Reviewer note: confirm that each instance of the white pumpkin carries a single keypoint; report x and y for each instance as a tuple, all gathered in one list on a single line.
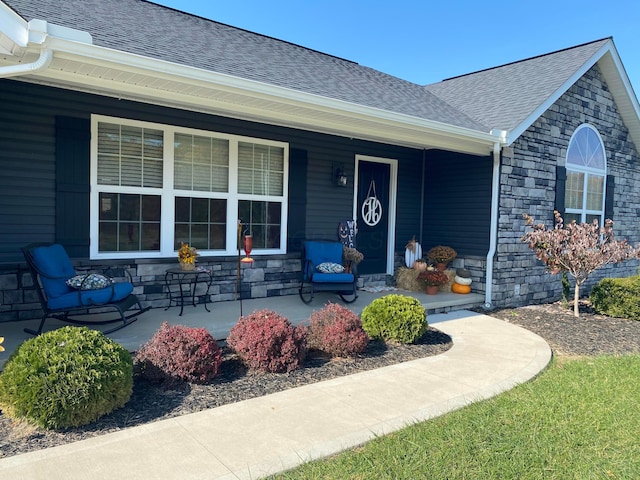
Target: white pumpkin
[(462, 281)]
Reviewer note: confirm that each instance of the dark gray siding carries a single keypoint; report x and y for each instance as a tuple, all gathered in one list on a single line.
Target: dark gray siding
[(27, 181), (457, 206), (28, 160)]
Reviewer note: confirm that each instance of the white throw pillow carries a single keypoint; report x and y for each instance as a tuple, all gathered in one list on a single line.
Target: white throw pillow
[(329, 267), (91, 281)]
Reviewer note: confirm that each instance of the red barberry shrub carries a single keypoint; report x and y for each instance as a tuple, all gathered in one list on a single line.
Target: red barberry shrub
[(266, 341), (179, 353), (338, 331)]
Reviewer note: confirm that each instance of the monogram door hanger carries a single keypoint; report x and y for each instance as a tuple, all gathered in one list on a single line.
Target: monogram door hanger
[(371, 209)]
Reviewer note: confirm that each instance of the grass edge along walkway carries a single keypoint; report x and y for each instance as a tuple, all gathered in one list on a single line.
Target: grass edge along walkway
[(579, 419)]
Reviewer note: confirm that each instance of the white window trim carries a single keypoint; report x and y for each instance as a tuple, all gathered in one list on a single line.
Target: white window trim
[(168, 194), (588, 171)]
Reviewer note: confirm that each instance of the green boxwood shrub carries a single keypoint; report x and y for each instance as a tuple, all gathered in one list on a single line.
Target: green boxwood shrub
[(617, 297), (66, 378), (394, 317)]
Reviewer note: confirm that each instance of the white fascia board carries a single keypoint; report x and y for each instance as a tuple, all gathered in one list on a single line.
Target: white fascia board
[(161, 69), (537, 113), (14, 33)]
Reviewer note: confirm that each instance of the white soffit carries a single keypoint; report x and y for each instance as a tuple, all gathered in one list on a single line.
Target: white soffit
[(622, 91)]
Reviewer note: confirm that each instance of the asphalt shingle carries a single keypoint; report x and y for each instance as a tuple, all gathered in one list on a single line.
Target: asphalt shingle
[(497, 98), (155, 31), (503, 97)]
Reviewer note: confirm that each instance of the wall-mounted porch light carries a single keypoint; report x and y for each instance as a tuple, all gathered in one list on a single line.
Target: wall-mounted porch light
[(340, 177)]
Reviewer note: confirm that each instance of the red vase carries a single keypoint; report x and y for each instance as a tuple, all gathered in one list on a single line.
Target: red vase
[(432, 289)]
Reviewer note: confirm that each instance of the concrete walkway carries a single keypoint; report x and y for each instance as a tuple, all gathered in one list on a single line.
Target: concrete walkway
[(266, 435)]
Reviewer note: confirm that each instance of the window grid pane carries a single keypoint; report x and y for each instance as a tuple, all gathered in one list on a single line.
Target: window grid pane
[(585, 149), (129, 156), (263, 221), (129, 222), (260, 169), (200, 222), (595, 192), (591, 217), (569, 217), (574, 190), (201, 163)]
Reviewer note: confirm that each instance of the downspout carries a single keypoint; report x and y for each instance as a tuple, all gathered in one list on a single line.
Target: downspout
[(420, 231), (46, 56), (493, 234)]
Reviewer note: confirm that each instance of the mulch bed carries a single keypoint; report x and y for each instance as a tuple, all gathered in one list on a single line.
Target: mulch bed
[(233, 383), (588, 335)]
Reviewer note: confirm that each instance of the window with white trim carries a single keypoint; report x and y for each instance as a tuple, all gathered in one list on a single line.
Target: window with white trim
[(586, 174), (155, 186)]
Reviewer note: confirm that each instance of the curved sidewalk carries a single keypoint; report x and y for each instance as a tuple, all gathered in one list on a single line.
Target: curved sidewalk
[(265, 435)]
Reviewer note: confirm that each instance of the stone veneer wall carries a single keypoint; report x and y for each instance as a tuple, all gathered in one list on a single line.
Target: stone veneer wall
[(527, 179), (266, 277)]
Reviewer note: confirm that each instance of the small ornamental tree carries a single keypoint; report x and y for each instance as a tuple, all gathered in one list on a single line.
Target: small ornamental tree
[(576, 248)]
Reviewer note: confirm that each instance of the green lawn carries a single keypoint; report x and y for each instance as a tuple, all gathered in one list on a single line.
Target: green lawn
[(580, 419)]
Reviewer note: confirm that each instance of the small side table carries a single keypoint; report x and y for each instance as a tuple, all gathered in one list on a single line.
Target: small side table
[(187, 282)]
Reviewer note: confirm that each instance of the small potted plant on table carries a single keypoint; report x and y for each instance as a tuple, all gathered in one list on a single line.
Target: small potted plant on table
[(187, 257)]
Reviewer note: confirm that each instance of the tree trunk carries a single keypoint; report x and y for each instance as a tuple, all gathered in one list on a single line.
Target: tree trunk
[(576, 297)]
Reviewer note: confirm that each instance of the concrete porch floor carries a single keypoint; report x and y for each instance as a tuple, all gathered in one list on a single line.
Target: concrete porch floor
[(224, 315)]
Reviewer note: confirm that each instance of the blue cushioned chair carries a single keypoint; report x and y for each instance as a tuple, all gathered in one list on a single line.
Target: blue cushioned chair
[(51, 267), (315, 253)]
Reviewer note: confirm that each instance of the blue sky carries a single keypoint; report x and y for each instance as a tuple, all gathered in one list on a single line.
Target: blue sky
[(424, 41)]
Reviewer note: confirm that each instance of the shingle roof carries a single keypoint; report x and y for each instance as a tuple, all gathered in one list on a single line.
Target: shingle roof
[(503, 97), (151, 30)]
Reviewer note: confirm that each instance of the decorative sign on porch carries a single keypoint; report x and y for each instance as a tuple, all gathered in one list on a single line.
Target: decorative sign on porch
[(371, 207), (347, 233)]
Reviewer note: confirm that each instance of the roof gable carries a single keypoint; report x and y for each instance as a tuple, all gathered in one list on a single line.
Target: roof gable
[(511, 97)]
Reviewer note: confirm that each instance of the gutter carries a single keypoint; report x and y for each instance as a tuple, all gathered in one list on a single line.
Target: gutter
[(43, 61), (493, 229), (42, 34)]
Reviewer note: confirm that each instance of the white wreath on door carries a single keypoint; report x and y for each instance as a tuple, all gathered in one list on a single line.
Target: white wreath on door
[(371, 209)]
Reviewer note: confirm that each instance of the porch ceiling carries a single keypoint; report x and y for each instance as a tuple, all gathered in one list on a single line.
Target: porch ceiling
[(106, 72)]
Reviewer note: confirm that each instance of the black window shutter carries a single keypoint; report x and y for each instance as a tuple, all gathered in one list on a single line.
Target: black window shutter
[(297, 199), (608, 201), (73, 137), (561, 184)]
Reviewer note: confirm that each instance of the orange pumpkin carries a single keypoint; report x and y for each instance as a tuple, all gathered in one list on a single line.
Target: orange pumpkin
[(457, 288)]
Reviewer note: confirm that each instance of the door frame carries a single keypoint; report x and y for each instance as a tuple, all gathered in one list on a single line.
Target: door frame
[(393, 185)]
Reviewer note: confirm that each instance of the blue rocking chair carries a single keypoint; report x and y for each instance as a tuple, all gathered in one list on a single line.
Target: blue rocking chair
[(322, 271), (68, 297)]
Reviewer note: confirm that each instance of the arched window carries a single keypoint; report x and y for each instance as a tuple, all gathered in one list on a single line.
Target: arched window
[(585, 186)]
